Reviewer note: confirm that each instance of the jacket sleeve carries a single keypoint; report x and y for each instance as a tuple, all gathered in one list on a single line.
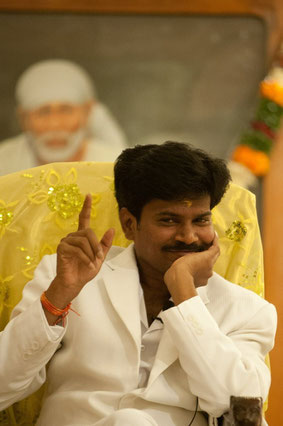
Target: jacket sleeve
[(28, 342), (220, 364)]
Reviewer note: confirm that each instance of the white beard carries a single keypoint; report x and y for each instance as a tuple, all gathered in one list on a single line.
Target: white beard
[(50, 154)]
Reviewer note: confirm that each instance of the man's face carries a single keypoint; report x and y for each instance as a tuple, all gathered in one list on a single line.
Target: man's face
[(56, 130), (168, 230)]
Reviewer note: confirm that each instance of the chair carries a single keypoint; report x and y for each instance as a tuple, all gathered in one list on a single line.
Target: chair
[(39, 206)]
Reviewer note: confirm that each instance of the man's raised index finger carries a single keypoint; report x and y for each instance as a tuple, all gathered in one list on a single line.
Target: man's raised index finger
[(84, 217)]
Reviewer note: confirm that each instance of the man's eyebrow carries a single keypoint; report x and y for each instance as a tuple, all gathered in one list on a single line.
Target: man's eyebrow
[(171, 213), (167, 213)]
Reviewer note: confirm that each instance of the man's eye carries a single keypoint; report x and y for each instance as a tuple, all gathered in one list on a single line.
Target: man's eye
[(66, 109), (204, 220), (168, 220), (42, 112)]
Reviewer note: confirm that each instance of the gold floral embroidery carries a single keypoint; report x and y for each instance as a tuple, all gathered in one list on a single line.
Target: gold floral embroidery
[(111, 180), (95, 200), (61, 194), (6, 217), (237, 231), (111, 186), (30, 261), (27, 175), (251, 279)]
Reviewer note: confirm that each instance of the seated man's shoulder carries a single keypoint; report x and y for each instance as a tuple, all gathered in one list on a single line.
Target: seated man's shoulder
[(221, 288)]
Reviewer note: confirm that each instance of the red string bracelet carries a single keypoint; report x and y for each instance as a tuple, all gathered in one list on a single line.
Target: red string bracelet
[(60, 313)]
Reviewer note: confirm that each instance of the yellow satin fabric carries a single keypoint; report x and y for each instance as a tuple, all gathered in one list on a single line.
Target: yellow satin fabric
[(39, 206)]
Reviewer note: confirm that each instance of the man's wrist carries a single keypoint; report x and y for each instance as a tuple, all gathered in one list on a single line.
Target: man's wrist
[(59, 297)]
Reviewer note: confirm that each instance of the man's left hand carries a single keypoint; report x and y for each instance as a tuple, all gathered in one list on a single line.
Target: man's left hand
[(191, 271)]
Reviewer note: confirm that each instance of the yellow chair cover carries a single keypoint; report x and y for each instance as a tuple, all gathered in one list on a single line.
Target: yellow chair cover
[(41, 205)]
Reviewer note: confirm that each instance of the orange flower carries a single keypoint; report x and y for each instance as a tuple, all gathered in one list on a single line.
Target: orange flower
[(257, 161), (273, 91)]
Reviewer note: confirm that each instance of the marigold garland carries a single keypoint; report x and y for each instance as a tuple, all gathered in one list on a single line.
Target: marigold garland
[(255, 145)]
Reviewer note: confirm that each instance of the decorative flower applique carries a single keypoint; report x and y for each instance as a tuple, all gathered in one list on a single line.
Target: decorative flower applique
[(60, 193), (237, 231), (62, 196)]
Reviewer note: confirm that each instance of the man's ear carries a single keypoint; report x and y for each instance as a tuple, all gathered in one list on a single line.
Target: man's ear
[(128, 223)]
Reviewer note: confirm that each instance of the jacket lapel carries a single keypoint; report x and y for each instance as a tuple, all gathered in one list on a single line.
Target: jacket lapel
[(122, 285), (165, 356), (167, 352)]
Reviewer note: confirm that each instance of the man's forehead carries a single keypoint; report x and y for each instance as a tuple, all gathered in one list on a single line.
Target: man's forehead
[(160, 206), (56, 105)]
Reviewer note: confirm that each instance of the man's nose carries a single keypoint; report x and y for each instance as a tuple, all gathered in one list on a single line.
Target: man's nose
[(187, 234), (54, 121)]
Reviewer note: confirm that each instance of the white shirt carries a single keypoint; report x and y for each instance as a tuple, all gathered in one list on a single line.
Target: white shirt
[(151, 336)]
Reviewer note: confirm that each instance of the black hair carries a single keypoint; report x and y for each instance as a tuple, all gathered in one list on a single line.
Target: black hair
[(170, 171)]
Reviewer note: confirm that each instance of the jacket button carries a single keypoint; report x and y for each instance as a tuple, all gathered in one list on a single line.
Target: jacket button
[(35, 346)]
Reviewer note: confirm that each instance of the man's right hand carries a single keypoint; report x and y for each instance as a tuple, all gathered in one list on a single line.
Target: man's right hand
[(79, 258)]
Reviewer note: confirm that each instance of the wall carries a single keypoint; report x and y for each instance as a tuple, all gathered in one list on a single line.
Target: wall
[(164, 77)]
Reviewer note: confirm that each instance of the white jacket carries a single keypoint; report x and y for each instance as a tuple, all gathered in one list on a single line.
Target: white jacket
[(213, 346)]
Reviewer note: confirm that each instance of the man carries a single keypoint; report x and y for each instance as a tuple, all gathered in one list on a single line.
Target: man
[(161, 339), (60, 118)]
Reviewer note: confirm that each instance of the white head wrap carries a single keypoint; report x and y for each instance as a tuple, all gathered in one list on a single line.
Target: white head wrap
[(53, 80)]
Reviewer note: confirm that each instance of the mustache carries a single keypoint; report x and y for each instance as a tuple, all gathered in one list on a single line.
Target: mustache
[(190, 248)]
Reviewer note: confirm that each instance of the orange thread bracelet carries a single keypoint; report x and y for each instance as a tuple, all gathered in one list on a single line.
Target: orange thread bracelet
[(61, 313)]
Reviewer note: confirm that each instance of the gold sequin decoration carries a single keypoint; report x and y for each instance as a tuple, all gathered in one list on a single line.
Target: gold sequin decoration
[(66, 200), (6, 216), (27, 175), (237, 231)]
